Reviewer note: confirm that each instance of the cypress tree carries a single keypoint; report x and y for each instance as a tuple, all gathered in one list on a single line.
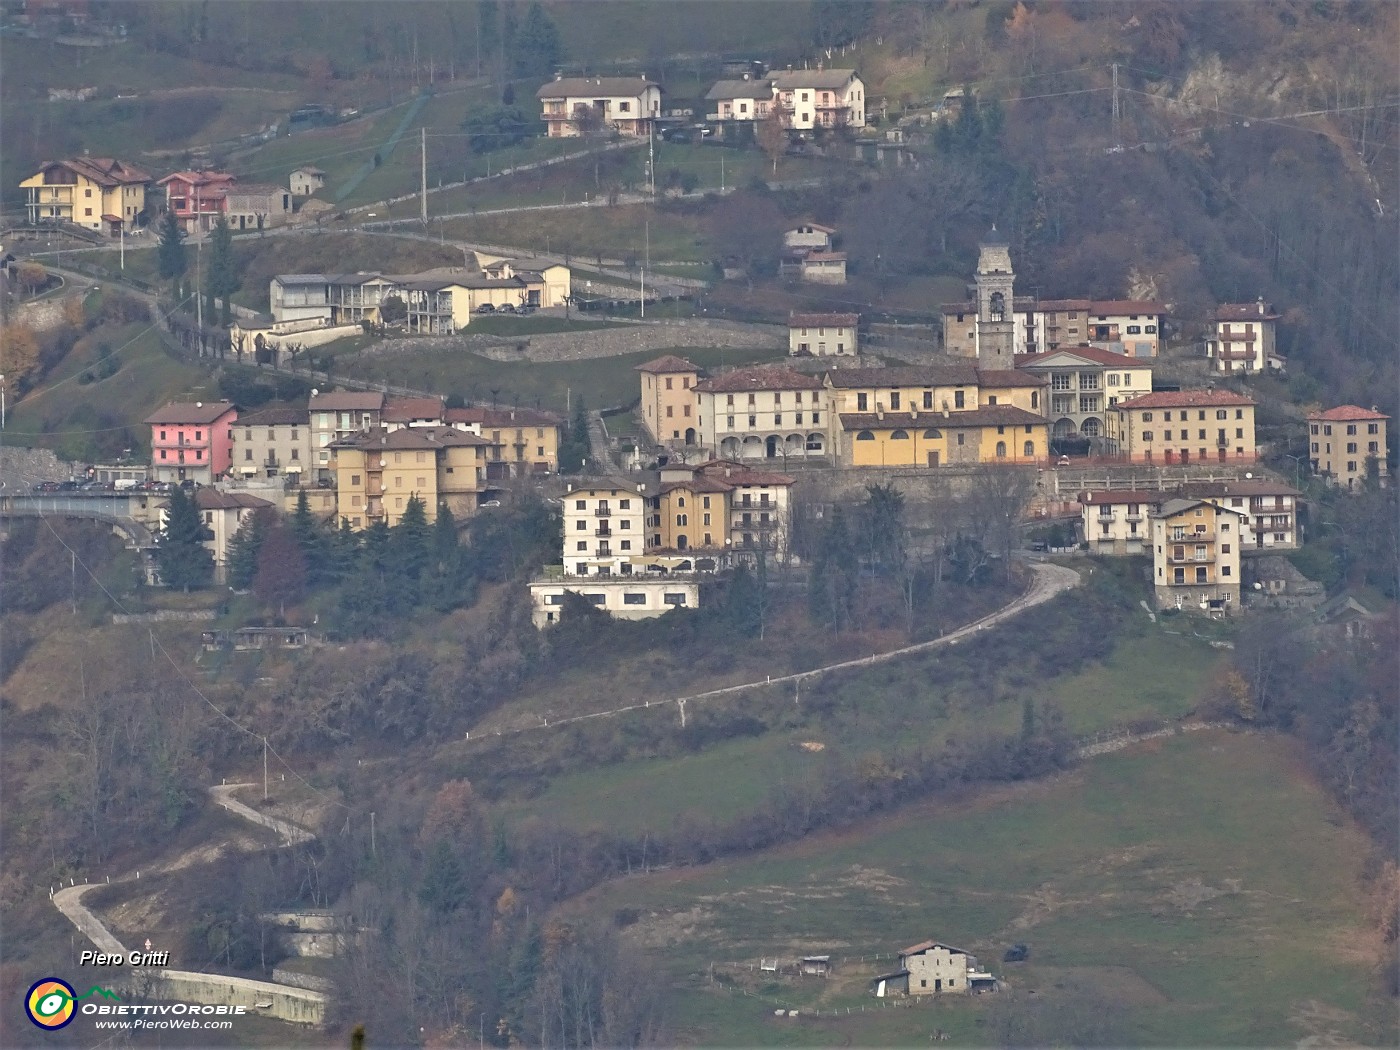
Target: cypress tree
[(243, 550), (171, 255)]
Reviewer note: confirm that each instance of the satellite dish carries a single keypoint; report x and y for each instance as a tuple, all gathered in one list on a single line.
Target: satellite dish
[(1248, 475)]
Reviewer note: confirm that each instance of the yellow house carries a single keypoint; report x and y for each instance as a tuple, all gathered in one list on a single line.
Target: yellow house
[(996, 434), (1345, 442), (99, 193), (1196, 555), (669, 405), (379, 470), (721, 505), (520, 441), (1183, 426)]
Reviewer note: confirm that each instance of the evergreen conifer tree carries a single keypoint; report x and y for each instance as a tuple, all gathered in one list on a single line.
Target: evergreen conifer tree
[(243, 550), (180, 553)]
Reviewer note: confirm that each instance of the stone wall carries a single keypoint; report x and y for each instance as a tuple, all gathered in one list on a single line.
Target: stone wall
[(43, 314), (599, 342), (297, 1005), (21, 467)]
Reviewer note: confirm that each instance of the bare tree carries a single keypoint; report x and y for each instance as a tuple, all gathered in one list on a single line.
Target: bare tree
[(996, 503), (772, 135)]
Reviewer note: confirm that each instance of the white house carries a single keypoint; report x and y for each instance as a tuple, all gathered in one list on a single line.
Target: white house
[(763, 413), (573, 106), (826, 98), (1116, 522), (823, 335), (740, 102), (1085, 383), (1244, 338), (1270, 509), (306, 180), (809, 236)]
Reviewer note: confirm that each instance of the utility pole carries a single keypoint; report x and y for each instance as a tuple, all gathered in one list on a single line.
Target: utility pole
[(372, 850), (264, 769), (646, 261), (199, 294), (423, 168), (721, 174), (1117, 140), (651, 158), (122, 232)]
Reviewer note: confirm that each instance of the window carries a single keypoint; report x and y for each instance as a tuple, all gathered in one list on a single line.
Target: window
[(668, 382), (1028, 449), (1134, 329), (582, 526), (753, 421), (1239, 433), (1113, 379), (992, 400), (1001, 450), (900, 435), (1351, 448), (626, 545), (1371, 428), (248, 454), (962, 438), (928, 398), (894, 400), (1147, 417), (398, 503), (729, 422), (1167, 435), (1351, 429), (583, 545), (865, 435), (959, 399), (581, 504), (777, 419), (677, 600), (1351, 466), (1147, 435), (1167, 417), (862, 404), (1149, 329), (670, 411)]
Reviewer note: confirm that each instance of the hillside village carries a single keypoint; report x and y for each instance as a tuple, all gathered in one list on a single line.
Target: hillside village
[(815, 399)]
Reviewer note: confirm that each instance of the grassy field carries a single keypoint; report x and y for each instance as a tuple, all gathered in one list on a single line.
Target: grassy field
[(1182, 879), (81, 420), (900, 703), (599, 381)]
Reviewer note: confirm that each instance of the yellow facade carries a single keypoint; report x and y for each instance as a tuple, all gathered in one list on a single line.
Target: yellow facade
[(687, 516), (669, 403), (1196, 554), (1002, 434), (83, 191), (376, 475)]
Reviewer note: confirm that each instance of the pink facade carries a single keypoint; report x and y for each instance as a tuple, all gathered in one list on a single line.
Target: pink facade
[(192, 442)]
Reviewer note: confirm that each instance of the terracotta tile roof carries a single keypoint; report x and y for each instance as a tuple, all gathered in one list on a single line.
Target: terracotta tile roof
[(1088, 353), (105, 171), (1188, 399), (989, 416), (923, 946), (700, 483), (668, 363), (823, 320), (1347, 414), (998, 378), (346, 401), (959, 374), (1172, 507), (745, 379), (820, 79), (191, 412), (1060, 306), (1248, 487), (405, 409)]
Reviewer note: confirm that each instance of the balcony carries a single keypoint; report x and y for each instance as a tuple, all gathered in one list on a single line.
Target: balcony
[(603, 512), (602, 531)]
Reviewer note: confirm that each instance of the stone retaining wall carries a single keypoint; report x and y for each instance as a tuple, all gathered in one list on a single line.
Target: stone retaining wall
[(20, 467), (598, 342), (297, 1005)]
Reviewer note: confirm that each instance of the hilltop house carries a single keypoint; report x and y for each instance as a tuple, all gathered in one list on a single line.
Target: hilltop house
[(575, 106), (820, 98), (823, 335), (934, 968), (1347, 443), (669, 407), (98, 193), (306, 180), (1243, 340), (197, 198)]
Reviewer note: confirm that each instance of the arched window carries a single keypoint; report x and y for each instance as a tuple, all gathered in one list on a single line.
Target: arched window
[(680, 519), (1029, 450), (900, 435), (997, 307), (680, 501), (931, 434), (1035, 399), (1001, 450), (865, 435)]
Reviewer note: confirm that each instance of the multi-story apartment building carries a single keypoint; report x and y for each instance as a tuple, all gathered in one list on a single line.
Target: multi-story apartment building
[(272, 442), (1243, 340), (738, 105), (723, 508), (763, 413), (1270, 509), (337, 415), (604, 528), (1196, 555), (192, 441), (1085, 383), (823, 335), (378, 470), (223, 514), (1117, 522), (574, 106), (98, 193), (820, 98), (1183, 426), (670, 410), (1347, 444), (520, 441)]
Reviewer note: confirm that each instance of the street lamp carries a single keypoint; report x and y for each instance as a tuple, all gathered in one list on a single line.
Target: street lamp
[(1297, 469), (2, 402)]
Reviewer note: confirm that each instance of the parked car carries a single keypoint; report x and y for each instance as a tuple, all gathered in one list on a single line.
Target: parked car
[(49, 486), (1063, 461), (505, 308), (492, 503), (486, 308)]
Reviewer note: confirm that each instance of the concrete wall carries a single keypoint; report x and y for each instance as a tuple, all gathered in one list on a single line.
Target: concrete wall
[(297, 1005)]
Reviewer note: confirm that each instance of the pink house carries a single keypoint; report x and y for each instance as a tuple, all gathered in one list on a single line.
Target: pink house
[(192, 441)]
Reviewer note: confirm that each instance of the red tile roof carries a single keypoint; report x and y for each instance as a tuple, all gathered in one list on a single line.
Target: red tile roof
[(1122, 496), (405, 409), (1347, 413), (823, 320), (746, 379), (1188, 399), (1088, 353), (346, 401), (502, 417), (668, 363)]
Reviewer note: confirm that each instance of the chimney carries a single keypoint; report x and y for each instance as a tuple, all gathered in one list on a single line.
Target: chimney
[(569, 487), (879, 410), (728, 471), (1261, 306)]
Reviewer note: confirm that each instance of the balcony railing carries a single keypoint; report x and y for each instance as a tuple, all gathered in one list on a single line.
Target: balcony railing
[(603, 531), (602, 512)]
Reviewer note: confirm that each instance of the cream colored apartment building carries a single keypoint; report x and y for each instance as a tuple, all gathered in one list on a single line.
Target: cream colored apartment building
[(1183, 427), (1196, 555), (670, 408), (1347, 442)]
